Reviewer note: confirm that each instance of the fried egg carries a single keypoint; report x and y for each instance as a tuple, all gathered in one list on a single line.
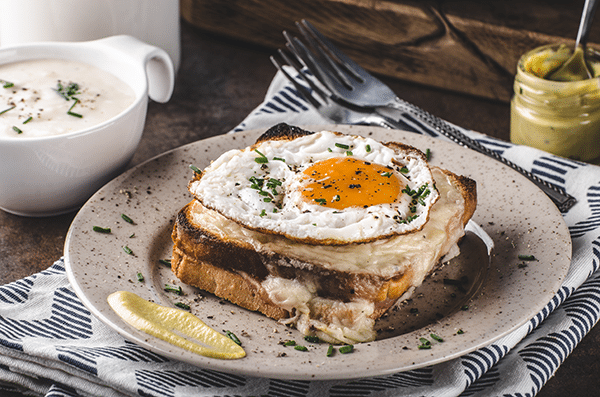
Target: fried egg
[(322, 188)]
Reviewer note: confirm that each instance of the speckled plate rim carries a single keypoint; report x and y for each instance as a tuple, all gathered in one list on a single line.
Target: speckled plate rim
[(154, 191)]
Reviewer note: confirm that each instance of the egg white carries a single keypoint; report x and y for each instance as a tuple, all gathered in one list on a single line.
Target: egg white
[(231, 186)]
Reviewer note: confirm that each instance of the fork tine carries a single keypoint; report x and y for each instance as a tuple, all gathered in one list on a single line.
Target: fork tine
[(304, 56), (339, 70), (321, 92), (348, 64), (307, 59), (299, 87)]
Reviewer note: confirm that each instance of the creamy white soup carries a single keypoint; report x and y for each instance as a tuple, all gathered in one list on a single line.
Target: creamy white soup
[(51, 96)]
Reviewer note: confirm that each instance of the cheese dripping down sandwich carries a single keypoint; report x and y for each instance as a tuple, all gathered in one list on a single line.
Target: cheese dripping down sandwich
[(322, 231)]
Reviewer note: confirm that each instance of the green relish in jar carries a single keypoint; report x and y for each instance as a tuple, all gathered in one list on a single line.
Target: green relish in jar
[(560, 117)]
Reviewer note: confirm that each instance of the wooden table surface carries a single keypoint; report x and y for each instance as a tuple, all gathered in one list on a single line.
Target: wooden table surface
[(219, 82)]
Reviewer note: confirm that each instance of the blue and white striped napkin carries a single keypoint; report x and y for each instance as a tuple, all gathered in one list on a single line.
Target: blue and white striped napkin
[(51, 345)]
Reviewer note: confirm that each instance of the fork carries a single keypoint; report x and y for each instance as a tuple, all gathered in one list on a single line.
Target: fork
[(348, 84), (331, 110)]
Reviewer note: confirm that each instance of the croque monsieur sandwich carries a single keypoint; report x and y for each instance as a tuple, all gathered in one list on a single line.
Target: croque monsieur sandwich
[(323, 231)]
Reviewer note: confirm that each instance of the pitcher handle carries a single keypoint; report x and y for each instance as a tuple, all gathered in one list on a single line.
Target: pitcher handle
[(159, 68)]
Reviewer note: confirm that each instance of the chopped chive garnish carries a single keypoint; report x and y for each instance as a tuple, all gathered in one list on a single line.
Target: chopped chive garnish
[(387, 174), (425, 343), (195, 169), (274, 182), (409, 219), (342, 146), (279, 159), (336, 197), (263, 213), (28, 120), (177, 290), (346, 349), (290, 343), (182, 305), (140, 277), (262, 159), (232, 336), (126, 218), (527, 257), (329, 350), (70, 112), (321, 201), (101, 229), (6, 110), (165, 261), (329, 150), (7, 84), (404, 170), (460, 332), (132, 235), (68, 91), (17, 129), (348, 153), (428, 154), (301, 348), (437, 338), (127, 250), (368, 148), (312, 339)]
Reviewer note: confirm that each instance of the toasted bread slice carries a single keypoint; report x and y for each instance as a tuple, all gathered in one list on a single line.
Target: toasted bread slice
[(334, 292)]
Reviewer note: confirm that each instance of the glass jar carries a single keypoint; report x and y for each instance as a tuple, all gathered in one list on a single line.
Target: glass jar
[(559, 117)]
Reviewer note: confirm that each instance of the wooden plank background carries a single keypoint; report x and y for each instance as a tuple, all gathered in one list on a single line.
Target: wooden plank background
[(465, 46)]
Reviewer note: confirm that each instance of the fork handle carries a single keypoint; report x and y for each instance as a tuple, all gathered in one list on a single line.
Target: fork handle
[(561, 199)]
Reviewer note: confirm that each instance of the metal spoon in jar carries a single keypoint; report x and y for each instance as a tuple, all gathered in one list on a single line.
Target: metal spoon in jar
[(575, 68)]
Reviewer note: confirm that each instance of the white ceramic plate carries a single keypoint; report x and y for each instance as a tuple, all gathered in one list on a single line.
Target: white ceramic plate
[(500, 294)]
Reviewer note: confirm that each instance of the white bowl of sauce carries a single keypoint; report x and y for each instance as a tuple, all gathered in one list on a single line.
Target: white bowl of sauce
[(72, 116)]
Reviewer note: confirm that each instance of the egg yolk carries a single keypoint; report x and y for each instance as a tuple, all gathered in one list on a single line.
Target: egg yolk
[(343, 182)]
